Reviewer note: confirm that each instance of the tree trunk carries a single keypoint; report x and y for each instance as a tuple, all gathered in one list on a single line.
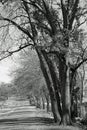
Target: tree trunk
[(67, 103), (55, 111), (54, 76), (30, 101), (81, 92), (72, 84), (38, 103), (46, 74), (48, 105), (64, 71), (43, 103)]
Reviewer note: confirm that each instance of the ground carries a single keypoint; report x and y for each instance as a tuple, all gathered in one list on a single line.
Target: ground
[(20, 116)]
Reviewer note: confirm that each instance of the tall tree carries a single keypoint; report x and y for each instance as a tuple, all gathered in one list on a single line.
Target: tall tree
[(57, 36)]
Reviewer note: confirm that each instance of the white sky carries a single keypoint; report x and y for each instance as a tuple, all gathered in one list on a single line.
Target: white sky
[(4, 77), (6, 67)]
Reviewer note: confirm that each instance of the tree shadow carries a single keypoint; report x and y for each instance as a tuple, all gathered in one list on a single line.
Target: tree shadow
[(30, 121)]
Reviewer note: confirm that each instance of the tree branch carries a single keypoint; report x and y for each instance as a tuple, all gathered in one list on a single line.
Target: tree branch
[(35, 5), (64, 14), (74, 10), (49, 17), (18, 26), (10, 53), (84, 60), (34, 32)]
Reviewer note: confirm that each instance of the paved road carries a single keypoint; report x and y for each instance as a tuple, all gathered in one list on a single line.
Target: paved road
[(27, 118)]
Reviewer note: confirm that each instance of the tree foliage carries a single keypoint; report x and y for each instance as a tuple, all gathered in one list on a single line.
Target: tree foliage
[(28, 77)]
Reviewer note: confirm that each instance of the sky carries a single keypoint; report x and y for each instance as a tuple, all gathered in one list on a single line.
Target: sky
[(6, 67)]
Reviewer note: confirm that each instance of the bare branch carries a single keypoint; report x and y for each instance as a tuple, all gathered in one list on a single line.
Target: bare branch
[(20, 16), (3, 26), (35, 5), (82, 22), (10, 53), (74, 10), (79, 64), (64, 14), (28, 13), (18, 26)]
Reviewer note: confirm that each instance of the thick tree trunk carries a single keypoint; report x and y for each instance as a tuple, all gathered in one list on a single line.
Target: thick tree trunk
[(54, 75), (64, 71), (67, 103), (46, 73), (72, 84), (55, 111)]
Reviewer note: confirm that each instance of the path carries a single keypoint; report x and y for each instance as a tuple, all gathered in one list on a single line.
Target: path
[(28, 118)]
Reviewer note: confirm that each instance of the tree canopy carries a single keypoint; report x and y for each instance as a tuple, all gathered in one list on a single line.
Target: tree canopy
[(55, 30)]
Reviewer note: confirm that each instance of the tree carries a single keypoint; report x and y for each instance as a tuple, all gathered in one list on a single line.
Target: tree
[(58, 40), (29, 80), (6, 90)]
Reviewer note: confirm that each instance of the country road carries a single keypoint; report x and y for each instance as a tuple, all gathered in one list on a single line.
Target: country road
[(25, 117)]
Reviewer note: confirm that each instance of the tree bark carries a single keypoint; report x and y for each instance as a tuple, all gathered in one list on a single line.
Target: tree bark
[(64, 71), (54, 76), (72, 84), (46, 74), (43, 103)]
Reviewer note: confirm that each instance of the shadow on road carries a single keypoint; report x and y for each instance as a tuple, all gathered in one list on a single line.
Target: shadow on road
[(30, 121)]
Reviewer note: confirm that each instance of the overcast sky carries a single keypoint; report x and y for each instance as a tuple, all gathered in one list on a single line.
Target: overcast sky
[(6, 67)]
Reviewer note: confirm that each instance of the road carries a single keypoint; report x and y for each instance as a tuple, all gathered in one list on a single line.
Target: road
[(27, 118)]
